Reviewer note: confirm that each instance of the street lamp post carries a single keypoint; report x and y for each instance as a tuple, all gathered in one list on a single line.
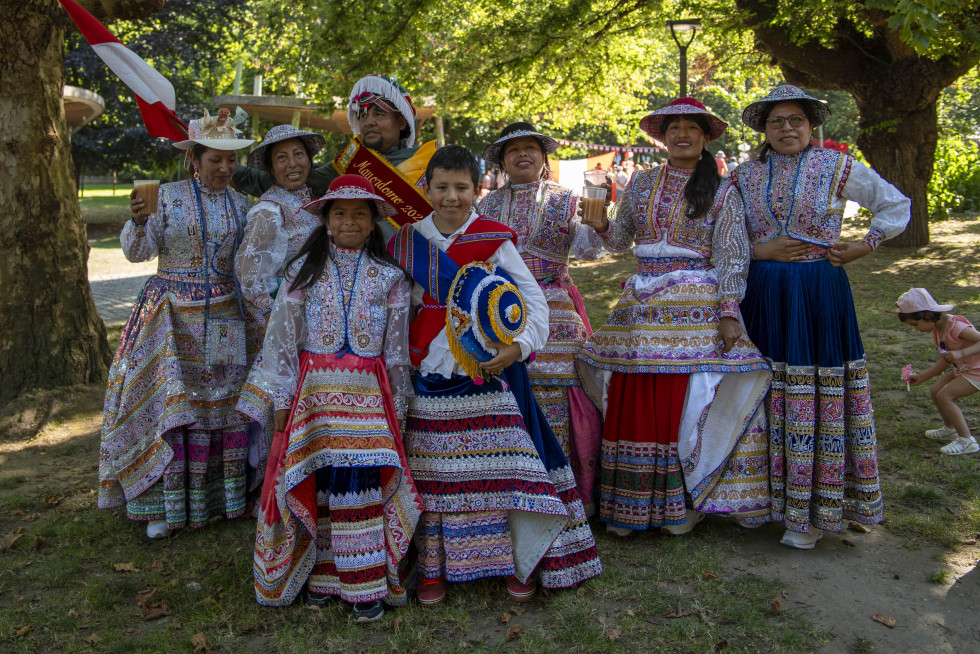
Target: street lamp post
[(691, 25)]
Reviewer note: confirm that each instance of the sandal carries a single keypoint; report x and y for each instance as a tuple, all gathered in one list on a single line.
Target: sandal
[(942, 434), (961, 446), (692, 519)]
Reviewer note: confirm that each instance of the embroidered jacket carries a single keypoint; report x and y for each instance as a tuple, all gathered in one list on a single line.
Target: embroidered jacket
[(804, 196), (652, 218)]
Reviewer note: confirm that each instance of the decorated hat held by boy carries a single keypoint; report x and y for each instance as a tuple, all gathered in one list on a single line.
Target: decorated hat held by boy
[(483, 306)]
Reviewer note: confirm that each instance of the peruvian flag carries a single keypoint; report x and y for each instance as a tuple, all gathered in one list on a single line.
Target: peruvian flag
[(154, 94)]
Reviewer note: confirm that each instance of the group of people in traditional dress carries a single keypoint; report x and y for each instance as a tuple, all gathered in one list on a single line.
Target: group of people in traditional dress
[(442, 385)]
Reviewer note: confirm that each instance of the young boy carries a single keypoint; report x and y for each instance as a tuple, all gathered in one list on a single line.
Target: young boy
[(499, 496)]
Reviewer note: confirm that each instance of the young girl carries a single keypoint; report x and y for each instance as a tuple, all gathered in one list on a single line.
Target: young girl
[(959, 346), (339, 506)]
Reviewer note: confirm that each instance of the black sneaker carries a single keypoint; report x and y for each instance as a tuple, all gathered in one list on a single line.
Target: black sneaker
[(368, 611), (317, 599)]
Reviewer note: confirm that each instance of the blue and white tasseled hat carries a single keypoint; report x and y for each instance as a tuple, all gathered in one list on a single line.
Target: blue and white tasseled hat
[(484, 305)]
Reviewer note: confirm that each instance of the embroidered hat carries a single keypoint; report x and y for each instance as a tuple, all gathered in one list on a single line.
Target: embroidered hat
[(492, 154), (387, 94), (652, 123), (352, 187), (919, 299), (278, 134), (752, 116), (483, 305)]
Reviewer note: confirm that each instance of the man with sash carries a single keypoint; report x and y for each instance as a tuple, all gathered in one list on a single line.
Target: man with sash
[(499, 496), (383, 151)]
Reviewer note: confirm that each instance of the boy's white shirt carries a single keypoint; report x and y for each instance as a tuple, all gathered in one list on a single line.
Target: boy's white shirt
[(440, 359)]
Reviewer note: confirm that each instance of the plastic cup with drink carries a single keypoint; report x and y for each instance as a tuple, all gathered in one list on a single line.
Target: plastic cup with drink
[(147, 190), (593, 195)]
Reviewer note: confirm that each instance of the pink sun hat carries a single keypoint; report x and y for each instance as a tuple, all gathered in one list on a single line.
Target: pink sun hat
[(919, 299), (652, 123), (352, 187)]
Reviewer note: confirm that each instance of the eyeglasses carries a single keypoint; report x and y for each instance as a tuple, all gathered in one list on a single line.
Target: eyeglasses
[(777, 122)]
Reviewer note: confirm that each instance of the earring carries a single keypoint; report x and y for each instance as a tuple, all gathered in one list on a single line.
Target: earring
[(197, 175)]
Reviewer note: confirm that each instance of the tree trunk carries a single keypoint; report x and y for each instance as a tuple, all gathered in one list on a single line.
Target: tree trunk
[(50, 333), (901, 146)]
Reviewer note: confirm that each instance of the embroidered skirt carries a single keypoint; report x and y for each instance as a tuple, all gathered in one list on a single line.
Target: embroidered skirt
[(160, 382), (499, 494), (823, 447), (320, 524)]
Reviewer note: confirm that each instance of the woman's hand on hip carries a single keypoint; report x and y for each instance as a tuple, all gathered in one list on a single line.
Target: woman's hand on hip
[(506, 355), (730, 330), (782, 248), (843, 253), (282, 415)]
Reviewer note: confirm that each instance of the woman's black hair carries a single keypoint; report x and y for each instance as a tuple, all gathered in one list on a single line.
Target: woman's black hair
[(928, 316), (267, 153), (701, 188), (454, 158), (808, 111), (316, 249)]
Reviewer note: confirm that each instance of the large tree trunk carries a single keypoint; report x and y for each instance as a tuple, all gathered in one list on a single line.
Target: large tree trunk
[(903, 153), (50, 333)]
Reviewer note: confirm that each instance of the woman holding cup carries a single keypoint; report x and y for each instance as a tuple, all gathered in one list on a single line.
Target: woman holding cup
[(173, 448), (276, 228), (543, 214), (680, 384)]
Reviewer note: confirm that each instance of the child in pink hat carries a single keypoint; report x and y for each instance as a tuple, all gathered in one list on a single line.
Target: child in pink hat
[(959, 364)]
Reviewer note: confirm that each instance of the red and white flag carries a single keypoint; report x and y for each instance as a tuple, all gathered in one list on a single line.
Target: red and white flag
[(154, 93)]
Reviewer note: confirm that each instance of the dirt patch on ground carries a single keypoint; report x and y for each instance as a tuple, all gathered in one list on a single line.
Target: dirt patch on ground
[(849, 578)]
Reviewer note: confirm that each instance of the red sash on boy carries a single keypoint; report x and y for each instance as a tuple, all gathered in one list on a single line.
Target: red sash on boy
[(387, 180), (436, 270)]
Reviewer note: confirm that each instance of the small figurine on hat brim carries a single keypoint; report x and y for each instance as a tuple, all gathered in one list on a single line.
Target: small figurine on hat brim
[(483, 306), (493, 154), (753, 114), (352, 187), (314, 143), (652, 123), (217, 132)]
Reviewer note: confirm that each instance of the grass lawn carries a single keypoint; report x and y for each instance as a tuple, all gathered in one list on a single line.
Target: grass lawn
[(76, 579), (101, 207)]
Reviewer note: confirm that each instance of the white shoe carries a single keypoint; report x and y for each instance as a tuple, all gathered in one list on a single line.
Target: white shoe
[(802, 541), (942, 434), (157, 529), (961, 446), (692, 519)]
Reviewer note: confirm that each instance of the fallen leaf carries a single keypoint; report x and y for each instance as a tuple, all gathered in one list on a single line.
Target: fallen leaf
[(53, 500), (615, 634), (11, 538), (858, 527), (720, 645), (397, 624), (679, 613), (504, 618), (783, 593), (776, 605), (23, 631), (514, 632), (92, 639), (38, 542), (848, 543), (31, 518), (517, 609), (898, 576), (709, 575), (704, 619), (72, 613), (580, 591), (157, 565), (630, 613), (15, 512), (207, 600), (156, 611), (125, 567), (199, 643), (143, 597), (601, 619), (885, 620), (970, 541)]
